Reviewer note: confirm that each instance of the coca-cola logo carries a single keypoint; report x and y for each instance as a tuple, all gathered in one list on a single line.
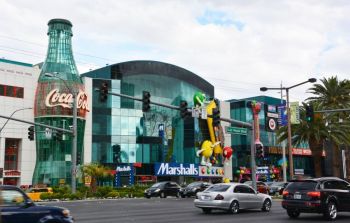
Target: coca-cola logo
[(54, 98)]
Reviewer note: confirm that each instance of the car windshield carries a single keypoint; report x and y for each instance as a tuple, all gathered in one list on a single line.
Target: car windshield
[(278, 184), (157, 185), (218, 188), (302, 185), (194, 184)]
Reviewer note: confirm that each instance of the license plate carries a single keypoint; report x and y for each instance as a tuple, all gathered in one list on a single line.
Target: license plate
[(297, 196), (206, 198)]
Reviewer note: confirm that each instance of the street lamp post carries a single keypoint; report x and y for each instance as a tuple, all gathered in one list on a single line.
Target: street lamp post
[(74, 130), (11, 117), (290, 151), (3, 126)]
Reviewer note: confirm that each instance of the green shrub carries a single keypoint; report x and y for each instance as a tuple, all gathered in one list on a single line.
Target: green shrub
[(113, 194), (46, 196), (103, 191)]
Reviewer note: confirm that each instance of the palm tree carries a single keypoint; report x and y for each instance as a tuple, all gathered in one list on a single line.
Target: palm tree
[(311, 132), (334, 94), (95, 171)]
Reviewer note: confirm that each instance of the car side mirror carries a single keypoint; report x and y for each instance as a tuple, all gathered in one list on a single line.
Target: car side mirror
[(28, 203)]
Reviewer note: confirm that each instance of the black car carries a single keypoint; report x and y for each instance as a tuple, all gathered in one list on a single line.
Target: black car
[(17, 207), (277, 188), (193, 188), (326, 195), (163, 189)]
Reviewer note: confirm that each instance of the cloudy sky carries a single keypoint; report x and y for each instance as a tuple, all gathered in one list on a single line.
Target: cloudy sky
[(237, 45)]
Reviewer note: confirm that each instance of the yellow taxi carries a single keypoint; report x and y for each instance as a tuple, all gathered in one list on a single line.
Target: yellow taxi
[(34, 193)]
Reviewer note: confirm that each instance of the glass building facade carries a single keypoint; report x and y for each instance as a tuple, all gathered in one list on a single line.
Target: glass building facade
[(122, 133), (272, 149)]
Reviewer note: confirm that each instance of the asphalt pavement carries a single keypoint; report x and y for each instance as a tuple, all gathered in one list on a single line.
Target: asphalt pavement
[(157, 210)]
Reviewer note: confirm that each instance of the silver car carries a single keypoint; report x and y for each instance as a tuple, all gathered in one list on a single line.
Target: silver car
[(232, 197)]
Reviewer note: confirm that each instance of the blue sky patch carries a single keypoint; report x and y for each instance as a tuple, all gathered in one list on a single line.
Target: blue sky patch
[(219, 18)]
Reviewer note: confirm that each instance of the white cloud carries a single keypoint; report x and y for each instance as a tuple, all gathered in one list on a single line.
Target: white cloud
[(288, 41)]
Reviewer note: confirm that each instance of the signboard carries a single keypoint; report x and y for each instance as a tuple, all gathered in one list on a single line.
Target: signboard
[(48, 133), (213, 171), (294, 113), (12, 173), (262, 170), (272, 115), (271, 124), (123, 169), (195, 112), (175, 169), (282, 114), (236, 130), (271, 108), (299, 171), (87, 180)]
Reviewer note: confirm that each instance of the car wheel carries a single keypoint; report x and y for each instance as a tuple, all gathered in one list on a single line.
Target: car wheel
[(234, 207), (206, 210), (292, 213), (162, 195), (267, 205), (331, 211)]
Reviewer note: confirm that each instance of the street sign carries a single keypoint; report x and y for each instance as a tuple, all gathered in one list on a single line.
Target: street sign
[(48, 133), (236, 130), (195, 112), (204, 113)]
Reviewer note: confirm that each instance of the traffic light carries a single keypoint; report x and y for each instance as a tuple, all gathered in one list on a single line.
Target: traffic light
[(78, 158), (309, 113), (31, 133), (184, 113), (103, 91), (59, 135), (146, 101), (216, 117), (259, 150)]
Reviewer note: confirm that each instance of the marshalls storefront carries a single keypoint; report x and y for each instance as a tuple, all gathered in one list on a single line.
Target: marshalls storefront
[(143, 145)]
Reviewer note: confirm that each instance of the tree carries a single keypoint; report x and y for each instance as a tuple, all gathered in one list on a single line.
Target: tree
[(311, 132), (334, 94), (95, 171)]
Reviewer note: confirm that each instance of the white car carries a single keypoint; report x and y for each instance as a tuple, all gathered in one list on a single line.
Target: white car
[(232, 197)]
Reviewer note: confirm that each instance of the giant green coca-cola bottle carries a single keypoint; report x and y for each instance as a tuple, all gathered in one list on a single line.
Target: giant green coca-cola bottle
[(53, 106)]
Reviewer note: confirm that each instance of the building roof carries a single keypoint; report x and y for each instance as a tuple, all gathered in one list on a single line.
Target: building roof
[(15, 62), (142, 67)]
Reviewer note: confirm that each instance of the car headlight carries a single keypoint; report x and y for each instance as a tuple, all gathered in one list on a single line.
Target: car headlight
[(66, 213), (146, 191), (157, 190), (194, 189)]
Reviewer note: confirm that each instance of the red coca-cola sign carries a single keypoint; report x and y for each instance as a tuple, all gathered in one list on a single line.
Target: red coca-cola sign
[(54, 99)]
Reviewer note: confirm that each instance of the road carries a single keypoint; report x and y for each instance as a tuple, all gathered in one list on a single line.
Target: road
[(177, 210)]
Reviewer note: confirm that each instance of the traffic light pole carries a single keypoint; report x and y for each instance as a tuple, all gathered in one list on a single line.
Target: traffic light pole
[(252, 158), (38, 124)]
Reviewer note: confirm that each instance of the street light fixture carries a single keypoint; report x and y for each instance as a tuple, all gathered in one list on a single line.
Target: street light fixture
[(74, 141), (11, 117), (290, 152)]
